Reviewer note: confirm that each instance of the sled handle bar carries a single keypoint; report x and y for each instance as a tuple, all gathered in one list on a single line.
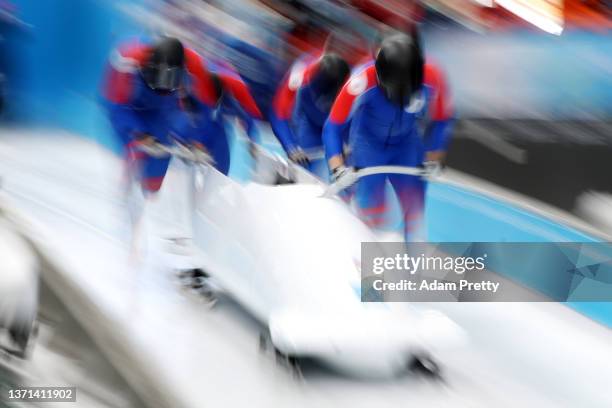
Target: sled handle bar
[(352, 178), (179, 150), (314, 154)]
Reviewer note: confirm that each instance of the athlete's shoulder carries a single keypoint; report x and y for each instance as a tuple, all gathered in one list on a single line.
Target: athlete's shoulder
[(362, 79), (130, 54), (194, 61), (303, 70), (441, 101), (125, 60), (433, 74)]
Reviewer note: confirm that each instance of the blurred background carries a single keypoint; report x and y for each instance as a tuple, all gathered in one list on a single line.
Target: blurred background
[(531, 79)]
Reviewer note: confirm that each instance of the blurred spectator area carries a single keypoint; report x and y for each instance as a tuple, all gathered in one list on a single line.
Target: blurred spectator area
[(497, 15)]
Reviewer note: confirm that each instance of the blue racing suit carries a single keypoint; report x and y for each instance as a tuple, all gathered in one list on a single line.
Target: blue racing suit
[(299, 111), (135, 110), (383, 133)]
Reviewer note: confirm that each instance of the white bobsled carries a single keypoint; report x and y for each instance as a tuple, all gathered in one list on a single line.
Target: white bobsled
[(19, 274), (290, 254)]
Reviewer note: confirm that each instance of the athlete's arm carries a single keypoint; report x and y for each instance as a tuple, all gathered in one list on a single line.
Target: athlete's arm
[(282, 109), (204, 88), (340, 116), (284, 103), (441, 112), (118, 90), (246, 107)]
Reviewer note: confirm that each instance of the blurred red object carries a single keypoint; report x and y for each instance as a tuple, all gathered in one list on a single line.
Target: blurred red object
[(398, 14)]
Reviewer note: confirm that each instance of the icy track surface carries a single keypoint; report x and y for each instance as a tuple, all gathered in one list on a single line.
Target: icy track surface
[(177, 353)]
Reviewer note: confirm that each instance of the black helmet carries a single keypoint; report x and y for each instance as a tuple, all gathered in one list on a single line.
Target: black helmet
[(163, 71), (399, 67), (331, 74)]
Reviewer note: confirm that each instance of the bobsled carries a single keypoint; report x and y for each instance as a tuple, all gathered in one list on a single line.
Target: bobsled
[(287, 248), (19, 277)]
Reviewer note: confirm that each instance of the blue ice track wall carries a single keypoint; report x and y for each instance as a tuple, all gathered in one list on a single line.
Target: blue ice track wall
[(458, 215), (58, 62)]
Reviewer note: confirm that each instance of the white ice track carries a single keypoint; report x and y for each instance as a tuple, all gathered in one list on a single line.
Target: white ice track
[(169, 345)]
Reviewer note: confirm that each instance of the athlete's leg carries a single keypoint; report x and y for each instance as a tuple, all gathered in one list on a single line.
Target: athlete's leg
[(411, 195), (370, 199), (369, 191), (151, 174), (410, 191)]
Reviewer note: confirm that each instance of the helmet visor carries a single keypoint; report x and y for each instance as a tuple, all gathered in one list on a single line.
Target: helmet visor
[(163, 77)]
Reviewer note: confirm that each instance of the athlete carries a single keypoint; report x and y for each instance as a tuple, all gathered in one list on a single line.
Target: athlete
[(397, 112), (142, 99), (302, 105), (144, 86)]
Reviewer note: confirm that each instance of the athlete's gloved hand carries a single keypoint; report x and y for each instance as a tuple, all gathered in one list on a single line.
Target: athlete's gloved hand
[(435, 155), (150, 145), (201, 154), (298, 156), (342, 172), (143, 138), (432, 169)]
